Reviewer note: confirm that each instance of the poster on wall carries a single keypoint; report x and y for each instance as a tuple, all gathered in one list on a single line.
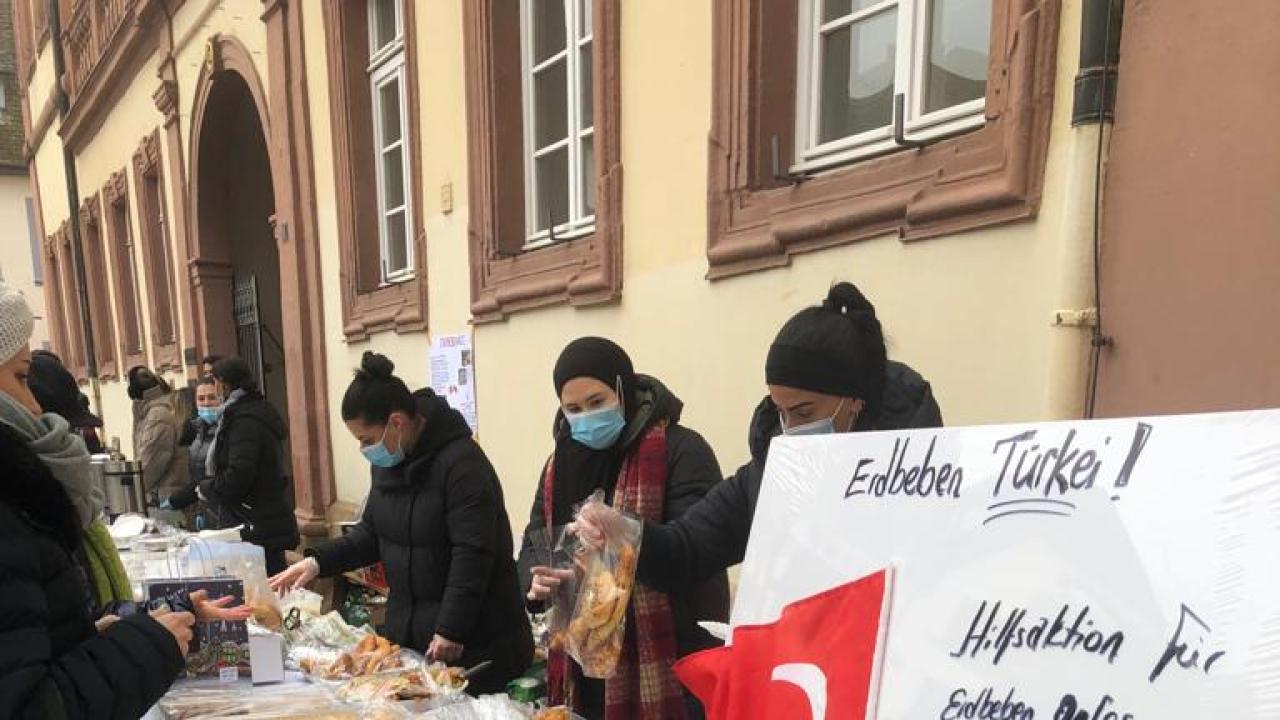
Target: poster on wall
[(453, 374), (1102, 570)]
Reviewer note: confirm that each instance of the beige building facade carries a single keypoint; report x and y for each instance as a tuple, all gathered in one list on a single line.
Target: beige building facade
[(378, 174)]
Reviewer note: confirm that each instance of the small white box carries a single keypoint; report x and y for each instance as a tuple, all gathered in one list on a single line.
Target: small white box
[(266, 657)]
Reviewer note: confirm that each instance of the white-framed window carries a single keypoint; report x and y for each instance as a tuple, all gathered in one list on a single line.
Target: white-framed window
[(559, 130), (857, 56), (390, 149)]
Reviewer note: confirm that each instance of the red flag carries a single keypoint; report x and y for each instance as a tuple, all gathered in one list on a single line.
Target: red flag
[(819, 660)]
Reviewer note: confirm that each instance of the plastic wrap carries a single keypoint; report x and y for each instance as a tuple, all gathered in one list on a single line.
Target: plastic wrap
[(1087, 570), (283, 702), (595, 634), (239, 560), (558, 550)]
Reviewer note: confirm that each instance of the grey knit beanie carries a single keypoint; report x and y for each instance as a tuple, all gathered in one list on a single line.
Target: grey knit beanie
[(16, 322)]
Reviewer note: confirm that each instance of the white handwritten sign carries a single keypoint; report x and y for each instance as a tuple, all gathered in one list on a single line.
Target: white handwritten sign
[(1105, 570)]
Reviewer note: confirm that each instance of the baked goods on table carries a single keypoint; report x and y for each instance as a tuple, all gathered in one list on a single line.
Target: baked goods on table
[(447, 679), (553, 713), (374, 654), (407, 685)]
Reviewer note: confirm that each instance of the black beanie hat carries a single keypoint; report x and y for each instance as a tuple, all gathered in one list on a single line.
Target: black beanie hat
[(836, 348), (57, 391), (600, 359)]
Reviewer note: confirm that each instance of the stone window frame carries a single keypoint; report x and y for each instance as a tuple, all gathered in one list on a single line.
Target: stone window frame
[(368, 305), (63, 303), (586, 270), (984, 177), (128, 300), (156, 245), (93, 244)]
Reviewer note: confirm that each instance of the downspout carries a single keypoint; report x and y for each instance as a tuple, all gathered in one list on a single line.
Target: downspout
[(73, 194), (1076, 348)]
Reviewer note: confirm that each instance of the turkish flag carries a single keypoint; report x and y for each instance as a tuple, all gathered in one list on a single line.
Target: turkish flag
[(819, 660)]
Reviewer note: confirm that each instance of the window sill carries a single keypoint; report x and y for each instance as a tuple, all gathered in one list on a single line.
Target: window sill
[(886, 145), (543, 240), (397, 306), (409, 276)]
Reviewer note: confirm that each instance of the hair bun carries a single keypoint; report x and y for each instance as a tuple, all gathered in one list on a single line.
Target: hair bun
[(376, 365), (846, 299)]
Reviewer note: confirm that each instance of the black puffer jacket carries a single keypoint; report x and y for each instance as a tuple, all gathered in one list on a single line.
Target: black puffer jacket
[(692, 470), (439, 524), (53, 663), (249, 482), (713, 535)]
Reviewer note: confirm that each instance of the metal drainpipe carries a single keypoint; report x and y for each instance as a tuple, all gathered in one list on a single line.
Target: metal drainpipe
[(1071, 363), (73, 193)]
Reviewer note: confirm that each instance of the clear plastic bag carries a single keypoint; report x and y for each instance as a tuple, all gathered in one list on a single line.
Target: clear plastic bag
[(595, 634), (558, 551), (239, 560)]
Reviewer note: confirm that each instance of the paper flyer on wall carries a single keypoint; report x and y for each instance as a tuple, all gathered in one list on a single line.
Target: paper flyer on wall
[(453, 374)]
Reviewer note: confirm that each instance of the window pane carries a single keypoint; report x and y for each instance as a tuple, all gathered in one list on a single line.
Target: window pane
[(584, 17), (959, 42), (588, 174), (552, 189), (397, 242), (836, 9), (389, 109), (584, 92), (550, 109), (384, 24), (548, 28), (857, 77), (393, 178)]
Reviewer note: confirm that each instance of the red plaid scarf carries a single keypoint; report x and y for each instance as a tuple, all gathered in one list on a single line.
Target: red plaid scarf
[(644, 685)]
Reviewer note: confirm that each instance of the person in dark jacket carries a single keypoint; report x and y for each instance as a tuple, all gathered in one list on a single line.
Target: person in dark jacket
[(197, 437), (59, 393), (245, 473), (54, 661), (827, 372), (436, 519), (608, 418)]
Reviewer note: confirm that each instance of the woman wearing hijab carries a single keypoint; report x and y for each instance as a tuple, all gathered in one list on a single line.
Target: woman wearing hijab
[(620, 432), (437, 520), (54, 662), (827, 372)]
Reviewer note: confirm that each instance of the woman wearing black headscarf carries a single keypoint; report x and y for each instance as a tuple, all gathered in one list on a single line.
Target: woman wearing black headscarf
[(620, 432), (827, 372)]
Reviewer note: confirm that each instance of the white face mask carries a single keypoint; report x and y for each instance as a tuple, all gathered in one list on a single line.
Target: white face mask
[(825, 426)]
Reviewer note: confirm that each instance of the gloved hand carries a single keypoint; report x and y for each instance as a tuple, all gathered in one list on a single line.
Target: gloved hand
[(166, 505)]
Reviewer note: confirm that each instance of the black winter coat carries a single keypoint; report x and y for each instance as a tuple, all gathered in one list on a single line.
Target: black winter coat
[(53, 663), (712, 536), (439, 524), (692, 470), (249, 482)]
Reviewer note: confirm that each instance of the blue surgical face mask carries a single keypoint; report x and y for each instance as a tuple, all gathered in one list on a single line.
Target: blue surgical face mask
[(209, 415), (825, 426), (380, 456), (597, 429)]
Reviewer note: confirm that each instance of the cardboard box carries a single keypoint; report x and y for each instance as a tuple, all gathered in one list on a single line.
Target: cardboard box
[(266, 656)]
